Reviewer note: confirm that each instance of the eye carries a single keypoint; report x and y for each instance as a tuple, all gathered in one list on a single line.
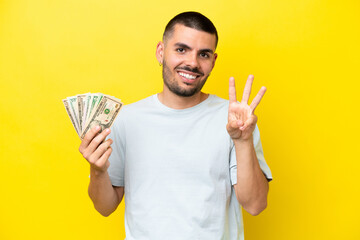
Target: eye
[(180, 50), (204, 55)]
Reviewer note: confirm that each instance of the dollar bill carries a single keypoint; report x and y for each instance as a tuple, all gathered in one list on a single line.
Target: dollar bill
[(74, 111), (90, 109), (104, 115), (82, 101), (80, 108), (94, 102), (67, 107), (86, 103)]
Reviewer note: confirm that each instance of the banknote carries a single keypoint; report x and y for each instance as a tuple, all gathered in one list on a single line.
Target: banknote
[(85, 98), (80, 108), (94, 101), (74, 111), (67, 107), (90, 109), (104, 115), (83, 104)]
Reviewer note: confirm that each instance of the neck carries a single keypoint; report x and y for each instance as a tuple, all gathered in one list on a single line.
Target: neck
[(174, 101)]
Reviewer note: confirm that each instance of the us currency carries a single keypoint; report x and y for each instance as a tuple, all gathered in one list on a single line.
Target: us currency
[(80, 108), (94, 101), (82, 103), (90, 109), (74, 111), (67, 107), (86, 107), (104, 114)]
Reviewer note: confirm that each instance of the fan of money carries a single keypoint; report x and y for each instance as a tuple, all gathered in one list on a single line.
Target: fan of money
[(91, 109)]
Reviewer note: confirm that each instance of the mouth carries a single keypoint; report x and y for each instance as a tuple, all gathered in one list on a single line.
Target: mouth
[(188, 77)]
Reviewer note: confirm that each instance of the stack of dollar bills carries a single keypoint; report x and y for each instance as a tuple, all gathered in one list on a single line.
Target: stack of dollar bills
[(91, 109)]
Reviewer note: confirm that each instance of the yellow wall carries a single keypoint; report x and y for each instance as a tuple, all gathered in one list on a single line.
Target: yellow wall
[(306, 53)]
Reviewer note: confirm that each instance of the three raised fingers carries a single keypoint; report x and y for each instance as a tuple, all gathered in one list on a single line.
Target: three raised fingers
[(246, 93)]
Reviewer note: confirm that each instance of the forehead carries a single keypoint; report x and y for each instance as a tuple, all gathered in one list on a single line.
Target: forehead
[(191, 37)]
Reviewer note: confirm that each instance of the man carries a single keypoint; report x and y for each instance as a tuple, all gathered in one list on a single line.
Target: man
[(184, 160)]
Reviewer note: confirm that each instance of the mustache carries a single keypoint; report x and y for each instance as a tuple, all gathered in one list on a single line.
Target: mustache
[(194, 70)]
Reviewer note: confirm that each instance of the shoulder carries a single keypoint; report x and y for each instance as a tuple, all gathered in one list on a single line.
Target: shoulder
[(143, 103), (214, 109), (218, 100), (136, 108), (131, 111), (218, 104)]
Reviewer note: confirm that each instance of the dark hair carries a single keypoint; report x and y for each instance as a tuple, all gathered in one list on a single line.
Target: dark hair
[(192, 20)]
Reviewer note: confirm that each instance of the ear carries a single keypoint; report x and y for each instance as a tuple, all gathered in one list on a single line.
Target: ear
[(160, 52), (213, 63)]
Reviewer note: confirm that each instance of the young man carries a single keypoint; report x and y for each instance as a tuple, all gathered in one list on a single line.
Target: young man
[(184, 160)]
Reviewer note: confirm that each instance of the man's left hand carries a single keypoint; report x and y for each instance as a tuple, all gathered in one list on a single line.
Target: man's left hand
[(241, 118)]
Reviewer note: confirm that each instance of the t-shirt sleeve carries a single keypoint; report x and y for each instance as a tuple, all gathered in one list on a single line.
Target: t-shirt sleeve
[(117, 157), (259, 154)]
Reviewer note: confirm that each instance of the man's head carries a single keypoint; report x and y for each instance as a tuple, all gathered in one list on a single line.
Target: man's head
[(193, 20), (187, 53)]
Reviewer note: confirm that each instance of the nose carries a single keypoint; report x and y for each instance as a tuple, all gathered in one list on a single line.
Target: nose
[(192, 60)]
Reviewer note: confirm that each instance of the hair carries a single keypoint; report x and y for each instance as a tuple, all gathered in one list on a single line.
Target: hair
[(192, 20)]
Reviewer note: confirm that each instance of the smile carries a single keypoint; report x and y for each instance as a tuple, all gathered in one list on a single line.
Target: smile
[(187, 76)]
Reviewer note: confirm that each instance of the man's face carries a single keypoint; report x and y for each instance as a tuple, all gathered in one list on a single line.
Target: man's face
[(188, 56)]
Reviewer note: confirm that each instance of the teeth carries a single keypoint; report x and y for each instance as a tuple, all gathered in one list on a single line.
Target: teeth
[(188, 76)]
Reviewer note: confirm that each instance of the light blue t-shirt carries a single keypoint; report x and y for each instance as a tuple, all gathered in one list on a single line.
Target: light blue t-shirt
[(177, 168)]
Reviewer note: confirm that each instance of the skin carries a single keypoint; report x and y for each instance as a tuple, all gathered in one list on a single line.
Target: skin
[(252, 187), (187, 51), (106, 198)]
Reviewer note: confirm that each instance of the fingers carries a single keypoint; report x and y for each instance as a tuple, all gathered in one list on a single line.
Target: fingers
[(247, 89), (103, 161), (95, 150), (96, 155), (232, 90), (234, 124), (238, 129), (255, 102), (249, 123), (88, 137), (96, 141)]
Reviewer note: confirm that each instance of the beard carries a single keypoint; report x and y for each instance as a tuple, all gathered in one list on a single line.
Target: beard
[(174, 86)]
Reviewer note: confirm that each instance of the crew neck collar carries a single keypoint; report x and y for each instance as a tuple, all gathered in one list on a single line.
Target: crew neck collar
[(190, 109)]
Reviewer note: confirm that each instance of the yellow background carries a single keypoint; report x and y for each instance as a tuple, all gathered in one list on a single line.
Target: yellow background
[(305, 52)]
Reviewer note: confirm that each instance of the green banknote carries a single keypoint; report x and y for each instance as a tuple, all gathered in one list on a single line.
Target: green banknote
[(91, 109)]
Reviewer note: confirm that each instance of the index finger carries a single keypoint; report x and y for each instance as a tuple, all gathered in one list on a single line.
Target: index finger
[(232, 90), (89, 136)]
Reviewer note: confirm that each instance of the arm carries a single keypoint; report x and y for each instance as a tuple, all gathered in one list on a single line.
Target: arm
[(252, 187), (105, 197)]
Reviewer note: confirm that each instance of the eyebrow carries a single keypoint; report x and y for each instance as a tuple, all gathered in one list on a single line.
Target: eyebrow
[(183, 45)]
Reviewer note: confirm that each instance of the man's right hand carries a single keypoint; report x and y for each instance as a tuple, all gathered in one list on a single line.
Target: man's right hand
[(95, 150)]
